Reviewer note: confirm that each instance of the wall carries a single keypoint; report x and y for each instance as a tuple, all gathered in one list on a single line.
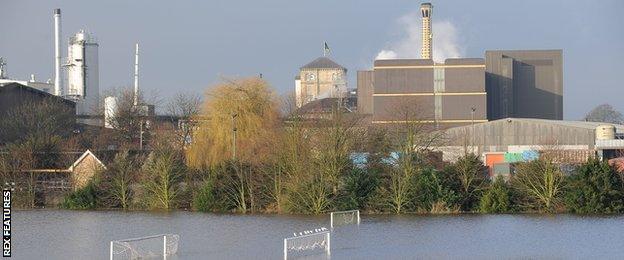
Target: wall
[(441, 94), (525, 84), (323, 85), (365, 81)]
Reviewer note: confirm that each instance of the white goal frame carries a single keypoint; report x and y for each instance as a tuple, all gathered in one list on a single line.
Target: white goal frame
[(327, 235), (164, 237), (331, 216)]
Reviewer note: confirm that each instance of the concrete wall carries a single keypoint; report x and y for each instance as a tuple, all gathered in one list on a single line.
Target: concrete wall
[(365, 91), (441, 94), (525, 84)]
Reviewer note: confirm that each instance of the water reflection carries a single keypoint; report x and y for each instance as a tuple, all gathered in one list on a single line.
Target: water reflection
[(59, 234)]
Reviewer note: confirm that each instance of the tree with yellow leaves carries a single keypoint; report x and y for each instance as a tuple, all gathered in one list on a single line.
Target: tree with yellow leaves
[(238, 121)]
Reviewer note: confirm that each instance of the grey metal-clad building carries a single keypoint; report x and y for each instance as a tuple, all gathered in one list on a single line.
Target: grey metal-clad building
[(524, 83), (13, 95), (499, 135), (445, 94)]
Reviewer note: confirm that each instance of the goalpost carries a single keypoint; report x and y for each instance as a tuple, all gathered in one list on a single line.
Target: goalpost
[(348, 217), (143, 247), (309, 242)]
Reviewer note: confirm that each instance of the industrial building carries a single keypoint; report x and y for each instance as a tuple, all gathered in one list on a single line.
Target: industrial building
[(13, 95), (524, 83), (83, 73), (321, 78), (443, 94), (47, 86), (512, 140), (420, 90)]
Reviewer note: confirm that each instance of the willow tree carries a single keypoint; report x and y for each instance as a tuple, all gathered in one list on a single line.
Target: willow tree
[(238, 121)]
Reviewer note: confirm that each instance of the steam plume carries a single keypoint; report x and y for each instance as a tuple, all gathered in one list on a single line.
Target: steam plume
[(445, 40)]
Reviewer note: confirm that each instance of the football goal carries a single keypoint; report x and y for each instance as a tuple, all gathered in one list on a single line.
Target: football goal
[(144, 247), (341, 218), (312, 243)]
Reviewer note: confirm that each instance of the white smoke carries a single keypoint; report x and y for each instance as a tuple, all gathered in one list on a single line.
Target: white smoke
[(445, 40)]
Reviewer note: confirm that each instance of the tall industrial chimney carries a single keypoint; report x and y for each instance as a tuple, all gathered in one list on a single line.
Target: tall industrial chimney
[(427, 37), (136, 75), (57, 52)]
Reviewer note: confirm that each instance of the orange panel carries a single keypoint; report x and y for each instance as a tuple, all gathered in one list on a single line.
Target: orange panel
[(493, 158)]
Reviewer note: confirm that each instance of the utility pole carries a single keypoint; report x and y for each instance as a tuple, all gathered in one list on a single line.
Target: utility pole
[(141, 134), (234, 136), (472, 113)]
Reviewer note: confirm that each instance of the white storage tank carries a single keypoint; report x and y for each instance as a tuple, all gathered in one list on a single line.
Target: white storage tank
[(83, 73), (605, 132)]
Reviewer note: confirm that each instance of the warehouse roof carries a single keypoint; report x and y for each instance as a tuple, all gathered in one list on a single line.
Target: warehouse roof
[(17, 86), (577, 124), (323, 63)]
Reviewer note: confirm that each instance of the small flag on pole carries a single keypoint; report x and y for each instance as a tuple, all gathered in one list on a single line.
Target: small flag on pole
[(326, 49)]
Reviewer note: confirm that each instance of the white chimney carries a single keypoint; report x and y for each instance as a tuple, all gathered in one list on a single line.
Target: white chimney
[(57, 52), (136, 75)]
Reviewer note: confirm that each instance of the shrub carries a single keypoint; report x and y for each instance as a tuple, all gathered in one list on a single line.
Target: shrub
[(84, 198), (118, 179), (540, 183), (163, 174), (467, 178), (204, 199), (595, 188), (359, 185), (430, 192), (497, 199)]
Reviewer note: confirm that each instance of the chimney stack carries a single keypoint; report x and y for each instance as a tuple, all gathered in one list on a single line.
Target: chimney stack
[(427, 37), (57, 52)]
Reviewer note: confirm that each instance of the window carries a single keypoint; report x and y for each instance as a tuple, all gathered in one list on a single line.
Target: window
[(337, 76)]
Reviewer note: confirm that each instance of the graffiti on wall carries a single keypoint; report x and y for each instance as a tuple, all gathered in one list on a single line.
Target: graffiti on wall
[(525, 156)]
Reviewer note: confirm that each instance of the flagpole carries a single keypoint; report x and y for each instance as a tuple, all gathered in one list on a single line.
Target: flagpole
[(325, 49)]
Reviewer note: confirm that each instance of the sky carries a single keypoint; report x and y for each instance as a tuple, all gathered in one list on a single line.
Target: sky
[(188, 46)]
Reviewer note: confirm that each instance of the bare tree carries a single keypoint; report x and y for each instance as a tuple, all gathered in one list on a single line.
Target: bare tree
[(413, 138), (288, 104), (183, 109), (131, 123), (605, 113)]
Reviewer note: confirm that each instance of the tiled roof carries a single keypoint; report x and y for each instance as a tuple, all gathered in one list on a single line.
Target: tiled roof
[(322, 63)]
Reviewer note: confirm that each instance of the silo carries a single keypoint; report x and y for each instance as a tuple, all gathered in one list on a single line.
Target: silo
[(605, 132), (110, 110), (83, 73)]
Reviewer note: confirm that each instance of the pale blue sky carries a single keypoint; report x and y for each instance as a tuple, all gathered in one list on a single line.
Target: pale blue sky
[(188, 45)]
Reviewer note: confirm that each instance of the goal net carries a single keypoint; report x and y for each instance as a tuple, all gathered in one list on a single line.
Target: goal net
[(341, 218), (144, 247), (308, 244)]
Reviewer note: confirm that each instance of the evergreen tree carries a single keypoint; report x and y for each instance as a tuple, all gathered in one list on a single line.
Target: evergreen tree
[(595, 188), (497, 199)]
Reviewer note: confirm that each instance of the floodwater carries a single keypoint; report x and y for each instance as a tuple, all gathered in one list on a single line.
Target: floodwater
[(62, 234)]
